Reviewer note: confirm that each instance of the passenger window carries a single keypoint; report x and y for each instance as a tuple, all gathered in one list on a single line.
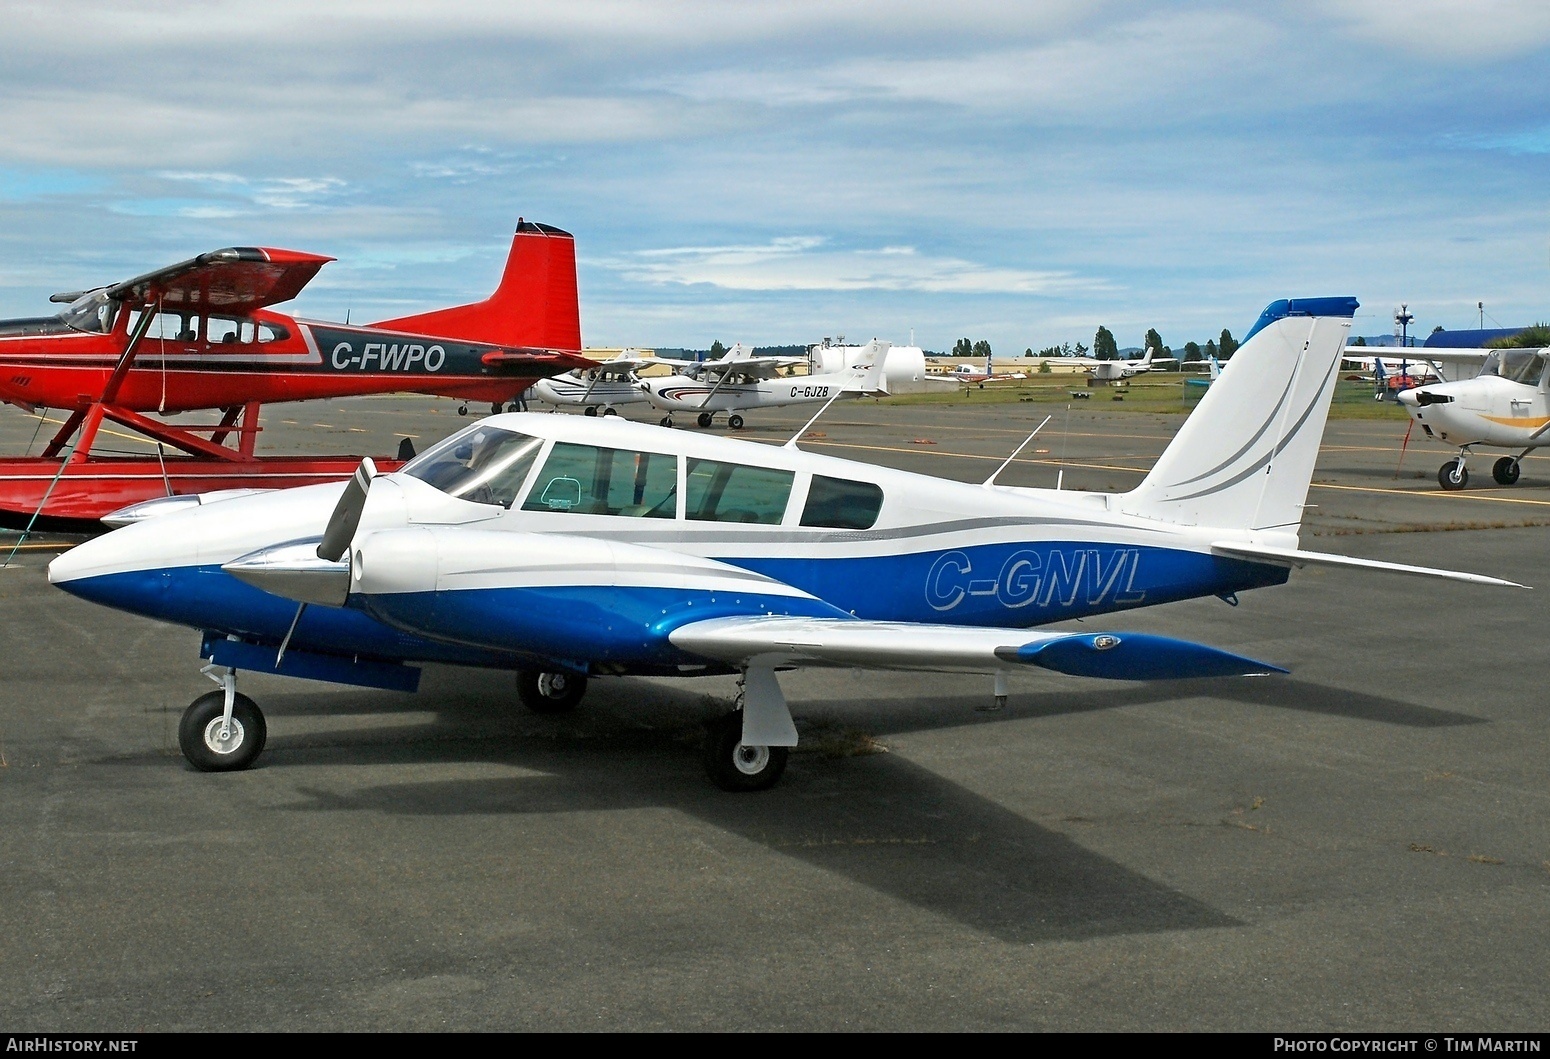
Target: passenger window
[(833, 503), (226, 331), (485, 466), (729, 492), (272, 333), (589, 480)]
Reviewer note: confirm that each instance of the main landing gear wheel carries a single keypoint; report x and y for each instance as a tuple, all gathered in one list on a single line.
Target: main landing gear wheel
[(667, 421), (591, 410), (704, 419), (207, 748), (610, 411), (550, 692), (735, 421), (1453, 475), (1506, 471), (735, 767)]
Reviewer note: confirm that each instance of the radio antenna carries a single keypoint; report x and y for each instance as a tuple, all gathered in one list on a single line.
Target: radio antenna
[(1007, 462)]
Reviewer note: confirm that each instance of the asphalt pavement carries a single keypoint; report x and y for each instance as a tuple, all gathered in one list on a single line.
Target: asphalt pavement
[(1361, 845)]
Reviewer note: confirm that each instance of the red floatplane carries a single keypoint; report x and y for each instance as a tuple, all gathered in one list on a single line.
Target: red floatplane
[(201, 335)]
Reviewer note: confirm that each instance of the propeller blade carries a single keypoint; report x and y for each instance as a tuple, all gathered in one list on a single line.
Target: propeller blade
[(347, 513)]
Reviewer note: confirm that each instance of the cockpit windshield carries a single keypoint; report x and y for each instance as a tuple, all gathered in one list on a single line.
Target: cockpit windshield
[(1515, 365), (486, 465), (92, 312)]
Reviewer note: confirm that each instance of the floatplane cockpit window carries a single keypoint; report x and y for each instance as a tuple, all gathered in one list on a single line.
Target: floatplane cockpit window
[(1515, 365), (730, 492), (834, 503), (487, 466), (590, 480), (92, 312)]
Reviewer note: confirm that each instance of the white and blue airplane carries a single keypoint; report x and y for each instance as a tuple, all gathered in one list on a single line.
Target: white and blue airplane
[(568, 550)]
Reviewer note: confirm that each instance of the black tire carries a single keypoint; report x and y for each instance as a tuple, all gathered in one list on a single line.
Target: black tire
[(462, 409), (496, 409), (556, 691), (667, 421), (1453, 475), (735, 767), (705, 419), (1506, 471), (591, 410), (735, 421), (197, 733), (610, 411)]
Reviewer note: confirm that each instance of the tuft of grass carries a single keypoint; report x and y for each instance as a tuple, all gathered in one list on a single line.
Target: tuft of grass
[(1481, 858)]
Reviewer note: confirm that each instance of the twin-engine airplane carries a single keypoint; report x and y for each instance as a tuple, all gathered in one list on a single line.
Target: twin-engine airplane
[(602, 387), (200, 335), (568, 550), (1505, 406), (740, 381)]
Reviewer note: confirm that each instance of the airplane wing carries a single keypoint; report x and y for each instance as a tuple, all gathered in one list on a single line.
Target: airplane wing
[(840, 642), (237, 279), (1419, 353), (530, 361), (753, 367)]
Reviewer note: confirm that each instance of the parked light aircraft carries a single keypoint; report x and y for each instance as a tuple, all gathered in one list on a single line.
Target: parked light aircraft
[(1123, 369), (603, 387), (1214, 373), (1504, 406), (567, 550), (740, 381), (904, 372)]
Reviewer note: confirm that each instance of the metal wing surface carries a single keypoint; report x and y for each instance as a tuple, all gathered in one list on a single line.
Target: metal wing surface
[(951, 648), (237, 279)]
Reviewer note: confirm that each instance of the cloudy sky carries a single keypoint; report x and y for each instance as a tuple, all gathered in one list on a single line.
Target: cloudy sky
[(1019, 172)]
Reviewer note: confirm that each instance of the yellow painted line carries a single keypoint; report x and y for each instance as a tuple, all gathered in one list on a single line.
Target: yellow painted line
[(1438, 495)]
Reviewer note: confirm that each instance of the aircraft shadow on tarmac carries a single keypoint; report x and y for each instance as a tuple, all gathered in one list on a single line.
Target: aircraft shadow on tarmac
[(879, 820)]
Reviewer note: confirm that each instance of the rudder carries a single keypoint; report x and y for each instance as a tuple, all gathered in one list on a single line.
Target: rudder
[(535, 305), (1244, 458)]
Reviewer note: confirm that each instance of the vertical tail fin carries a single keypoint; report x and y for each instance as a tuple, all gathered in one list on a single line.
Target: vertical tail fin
[(1244, 458), (870, 369), (535, 304)]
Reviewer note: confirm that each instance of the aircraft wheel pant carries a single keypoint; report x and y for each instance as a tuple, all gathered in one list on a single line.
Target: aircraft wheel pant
[(1453, 475), (199, 733), (735, 767), (550, 692), (704, 419), (735, 421), (1506, 471)]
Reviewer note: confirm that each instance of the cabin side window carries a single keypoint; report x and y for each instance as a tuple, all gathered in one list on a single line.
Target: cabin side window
[(834, 503), (730, 492), (484, 465), (590, 480), (227, 330)]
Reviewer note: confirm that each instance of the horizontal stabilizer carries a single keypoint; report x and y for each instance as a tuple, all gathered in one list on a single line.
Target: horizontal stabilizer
[(1298, 557), (1135, 656), (953, 648)]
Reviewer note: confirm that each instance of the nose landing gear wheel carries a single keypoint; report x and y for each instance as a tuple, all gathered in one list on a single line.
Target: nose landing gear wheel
[(462, 409), (704, 419), (610, 411), (732, 766), (556, 692), (207, 748), (1506, 471), (735, 422), (667, 421), (1453, 475)]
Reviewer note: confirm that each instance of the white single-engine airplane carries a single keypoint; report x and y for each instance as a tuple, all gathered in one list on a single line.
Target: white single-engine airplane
[(1123, 369), (567, 550), (611, 384), (1505, 406), (740, 381)]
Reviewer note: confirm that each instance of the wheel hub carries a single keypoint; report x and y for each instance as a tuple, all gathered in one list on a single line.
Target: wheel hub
[(552, 685), (233, 738), (751, 760)]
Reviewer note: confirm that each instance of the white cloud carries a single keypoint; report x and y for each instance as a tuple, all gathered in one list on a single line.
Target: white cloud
[(1447, 29), (806, 263)]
